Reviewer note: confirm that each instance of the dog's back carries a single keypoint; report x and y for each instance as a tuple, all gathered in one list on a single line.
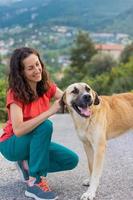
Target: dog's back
[(119, 115)]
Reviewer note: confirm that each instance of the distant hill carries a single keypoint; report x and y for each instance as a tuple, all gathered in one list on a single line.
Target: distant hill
[(123, 23), (93, 15)]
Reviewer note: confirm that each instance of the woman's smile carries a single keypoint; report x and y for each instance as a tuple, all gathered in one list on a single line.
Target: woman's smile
[(32, 69)]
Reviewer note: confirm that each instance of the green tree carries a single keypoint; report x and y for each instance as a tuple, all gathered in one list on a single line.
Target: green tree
[(99, 64), (121, 78), (81, 53), (3, 87), (3, 67), (100, 83), (127, 53)]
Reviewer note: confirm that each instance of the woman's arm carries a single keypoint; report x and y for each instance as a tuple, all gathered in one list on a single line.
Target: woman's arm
[(58, 93), (21, 127)]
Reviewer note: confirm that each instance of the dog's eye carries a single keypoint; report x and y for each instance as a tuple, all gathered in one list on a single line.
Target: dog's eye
[(75, 91), (87, 88)]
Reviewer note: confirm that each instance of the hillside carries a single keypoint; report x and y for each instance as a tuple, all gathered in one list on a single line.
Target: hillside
[(123, 23), (92, 15)]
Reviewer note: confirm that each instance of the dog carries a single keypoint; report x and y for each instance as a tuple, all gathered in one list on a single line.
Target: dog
[(97, 119)]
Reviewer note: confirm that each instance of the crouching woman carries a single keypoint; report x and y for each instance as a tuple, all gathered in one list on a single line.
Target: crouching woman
[(27, 135)]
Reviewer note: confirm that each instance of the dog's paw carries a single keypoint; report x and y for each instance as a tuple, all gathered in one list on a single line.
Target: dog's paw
[(88, 195), (86, 182)]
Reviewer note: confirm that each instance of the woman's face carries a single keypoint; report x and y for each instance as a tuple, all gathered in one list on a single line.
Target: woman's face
[(32, 69)]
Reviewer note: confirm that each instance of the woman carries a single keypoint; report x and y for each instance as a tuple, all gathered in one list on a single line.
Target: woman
[(27, 135)]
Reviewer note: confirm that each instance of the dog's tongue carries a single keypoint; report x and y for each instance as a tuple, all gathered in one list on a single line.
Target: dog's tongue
[(85, 111)]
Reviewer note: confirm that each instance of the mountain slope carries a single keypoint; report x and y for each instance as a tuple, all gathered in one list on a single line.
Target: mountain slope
[(93, 15), (123, 23)]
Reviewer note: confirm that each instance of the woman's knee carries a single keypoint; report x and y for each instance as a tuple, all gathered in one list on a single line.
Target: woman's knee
[(71, 162), (74, 160), (48, 126), (45, 128)]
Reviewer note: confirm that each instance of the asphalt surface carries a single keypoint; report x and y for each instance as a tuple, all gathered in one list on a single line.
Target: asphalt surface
[(117, 178)]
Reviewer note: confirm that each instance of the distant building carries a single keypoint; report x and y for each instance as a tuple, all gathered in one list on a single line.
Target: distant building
[(3, 51), (3, 48), (64, 60), (60, 29), (113, 49)]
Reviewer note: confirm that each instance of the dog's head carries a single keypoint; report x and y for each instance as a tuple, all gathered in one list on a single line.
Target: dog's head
[(79, 98)]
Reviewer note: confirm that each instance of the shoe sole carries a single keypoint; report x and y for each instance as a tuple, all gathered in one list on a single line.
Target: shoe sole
[(28, 194)]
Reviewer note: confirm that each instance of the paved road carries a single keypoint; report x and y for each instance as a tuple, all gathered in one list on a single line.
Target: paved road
[(117, 178)]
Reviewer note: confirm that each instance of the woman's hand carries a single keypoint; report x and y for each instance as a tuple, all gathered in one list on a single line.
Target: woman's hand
[(55, 107), (21, 127)]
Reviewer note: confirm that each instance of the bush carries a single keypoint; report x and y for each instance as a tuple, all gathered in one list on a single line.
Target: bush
[(3, 115)]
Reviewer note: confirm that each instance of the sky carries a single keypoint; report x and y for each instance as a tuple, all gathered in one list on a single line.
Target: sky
[(2, 2), (5, 1)]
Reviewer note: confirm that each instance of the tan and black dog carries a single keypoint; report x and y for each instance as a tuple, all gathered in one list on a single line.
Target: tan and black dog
[(97, 119)]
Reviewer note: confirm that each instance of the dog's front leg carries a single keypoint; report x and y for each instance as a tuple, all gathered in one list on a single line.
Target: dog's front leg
[(90, 157), (99, 152)]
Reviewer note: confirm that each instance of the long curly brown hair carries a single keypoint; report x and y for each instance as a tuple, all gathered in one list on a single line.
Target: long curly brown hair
[(17, 81)]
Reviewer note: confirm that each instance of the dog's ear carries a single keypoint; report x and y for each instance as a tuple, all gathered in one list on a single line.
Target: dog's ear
[(96, 100), (62, 103)]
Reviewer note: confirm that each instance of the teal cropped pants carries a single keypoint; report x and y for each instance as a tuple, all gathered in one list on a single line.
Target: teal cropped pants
[(43, 155)]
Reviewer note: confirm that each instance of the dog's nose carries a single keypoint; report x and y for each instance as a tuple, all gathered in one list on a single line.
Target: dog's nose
[(86, 97)]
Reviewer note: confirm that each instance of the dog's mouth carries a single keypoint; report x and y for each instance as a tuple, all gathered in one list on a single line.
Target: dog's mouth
[(82, 111)]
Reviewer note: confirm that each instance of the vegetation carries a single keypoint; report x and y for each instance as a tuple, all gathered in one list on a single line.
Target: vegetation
[(127, 53), (3, 87), (104, 74), (99, 64), (122, 23), (99, 70), (82, 51), (80, 54)]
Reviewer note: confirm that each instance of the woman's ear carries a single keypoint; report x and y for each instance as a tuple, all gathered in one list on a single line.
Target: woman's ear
[(96, 100)]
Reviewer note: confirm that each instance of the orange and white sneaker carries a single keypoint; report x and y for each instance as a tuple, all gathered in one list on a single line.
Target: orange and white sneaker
[(40, 191)]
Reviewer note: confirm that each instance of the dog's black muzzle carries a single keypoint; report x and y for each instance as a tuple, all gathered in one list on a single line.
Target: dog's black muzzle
[(81, 105), (84, 101)]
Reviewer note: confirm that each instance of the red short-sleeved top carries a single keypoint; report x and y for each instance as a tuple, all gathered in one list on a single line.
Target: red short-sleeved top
[(29, 110)]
